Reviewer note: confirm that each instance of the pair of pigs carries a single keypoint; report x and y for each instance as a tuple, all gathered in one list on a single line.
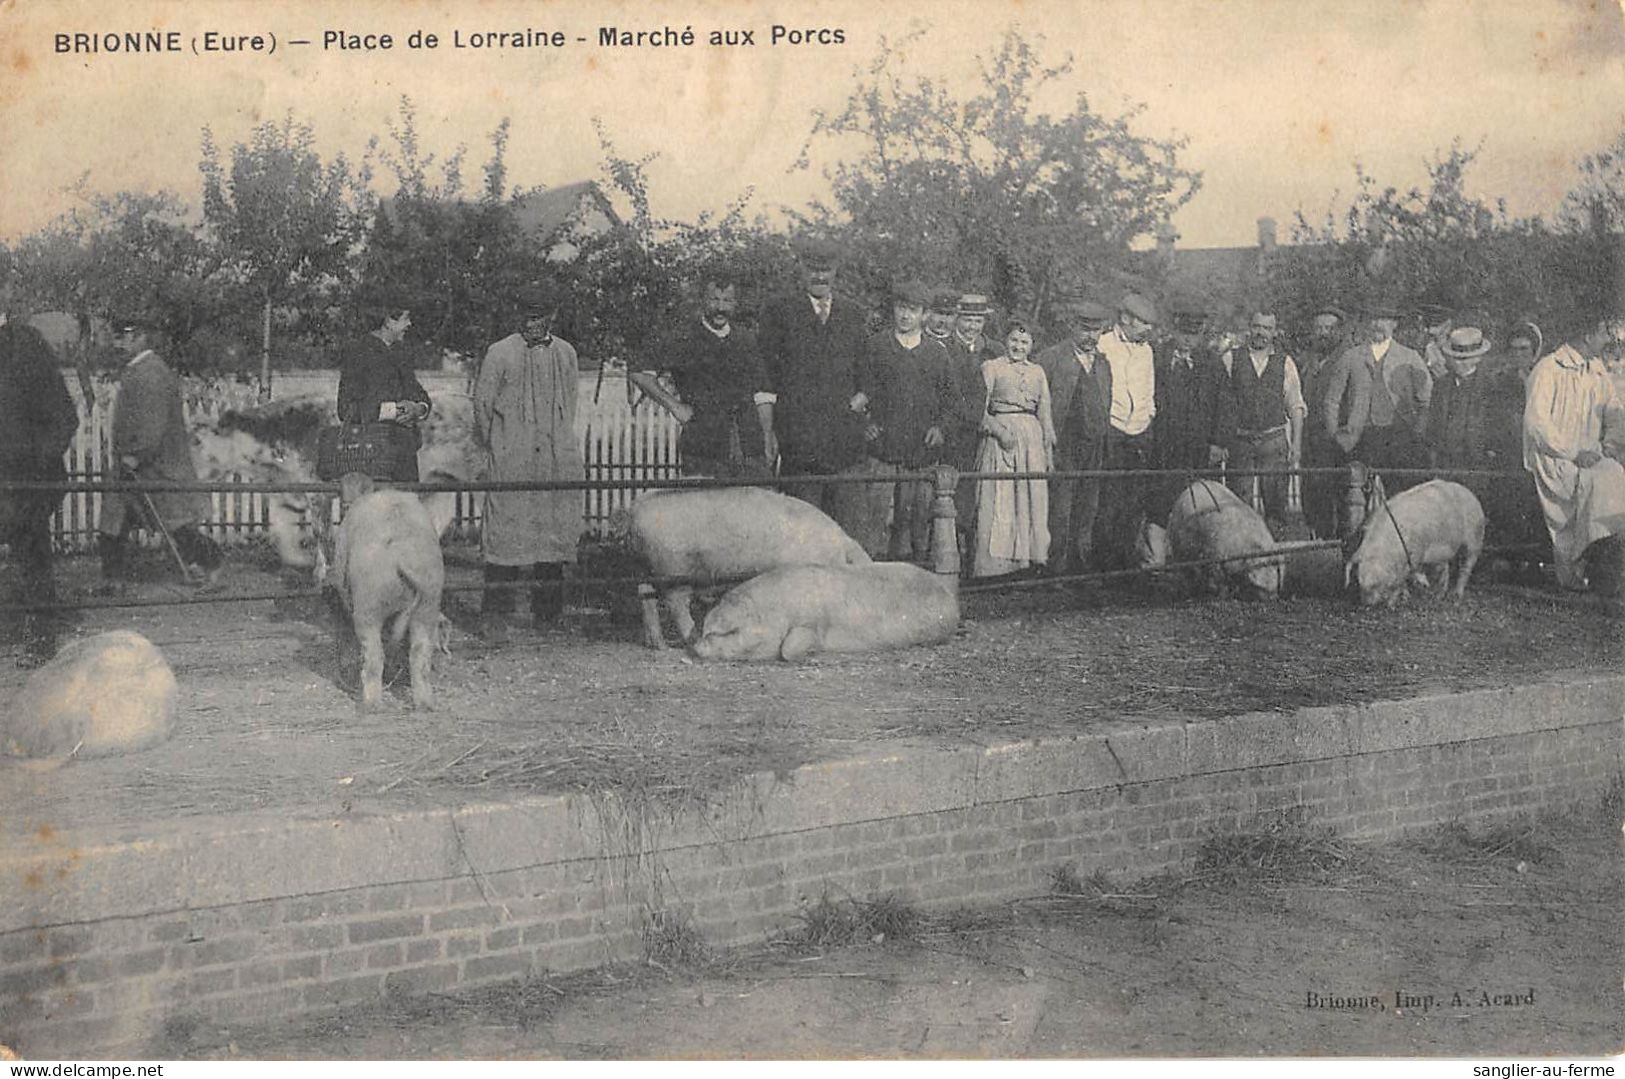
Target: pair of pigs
[(1431, 534)]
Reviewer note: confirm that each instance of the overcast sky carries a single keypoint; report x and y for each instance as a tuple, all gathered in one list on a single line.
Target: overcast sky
[(1277, 98)]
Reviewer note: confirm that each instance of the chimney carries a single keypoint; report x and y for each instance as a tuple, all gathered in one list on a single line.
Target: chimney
[(1166, 236), (1266, 233)]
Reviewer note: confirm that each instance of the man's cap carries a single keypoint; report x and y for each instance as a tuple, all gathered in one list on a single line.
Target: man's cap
[(1466, 343), (817, 254), (974, 303), (1329, 308), (1138, 306), (1433, 314), (534, 299), (1380, 307), (1083, 312), (1188, 315), (911, 292), (945, 301)]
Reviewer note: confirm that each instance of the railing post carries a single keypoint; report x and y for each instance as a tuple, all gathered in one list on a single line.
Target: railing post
[(944, 536), (1354, 501)]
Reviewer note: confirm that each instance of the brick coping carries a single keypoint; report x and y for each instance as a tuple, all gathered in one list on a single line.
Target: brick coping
[(64, 878)]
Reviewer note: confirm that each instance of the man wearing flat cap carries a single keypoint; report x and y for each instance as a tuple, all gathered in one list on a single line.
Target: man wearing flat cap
[(1376, 399), (968, 349), (1130, 443), (1326, 340), (525, 415), (1080, 382), (939, 317), (1189, 386), (812, 342), (910, 397), (151, 443)]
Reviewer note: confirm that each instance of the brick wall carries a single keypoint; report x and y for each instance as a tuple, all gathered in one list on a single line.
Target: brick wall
[(109, 939)]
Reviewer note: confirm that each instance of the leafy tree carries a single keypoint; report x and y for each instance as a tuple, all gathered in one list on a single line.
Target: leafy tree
[(987, 189), (286, 222), (1597, 203)]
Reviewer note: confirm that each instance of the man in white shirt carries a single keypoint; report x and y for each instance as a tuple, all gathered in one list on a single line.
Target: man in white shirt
[(1261, 415), (1126, 348)]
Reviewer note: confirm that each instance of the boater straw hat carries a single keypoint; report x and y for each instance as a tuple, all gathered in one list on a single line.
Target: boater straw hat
[(1466, 343), (974, 303)]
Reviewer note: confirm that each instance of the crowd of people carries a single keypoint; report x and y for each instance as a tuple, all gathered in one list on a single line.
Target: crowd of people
[(813, 394)]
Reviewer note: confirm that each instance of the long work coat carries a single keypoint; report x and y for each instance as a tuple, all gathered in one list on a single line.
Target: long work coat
[(1571, 403), (149, 423), (525, 409)]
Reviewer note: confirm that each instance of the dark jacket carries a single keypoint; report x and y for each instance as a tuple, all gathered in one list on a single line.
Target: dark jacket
[(965, 367), (910, 391), (37, 420), (1476, 423), (149, 423), (719, 378), (1082, 424), (1190, 403), (813, 368), (373, 373)]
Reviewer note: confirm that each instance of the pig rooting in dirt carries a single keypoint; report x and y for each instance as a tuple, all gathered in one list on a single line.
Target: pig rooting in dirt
[(1209, 520), (387, 565), (1434, 531), (794, 611), (108, 694), (726, 532)]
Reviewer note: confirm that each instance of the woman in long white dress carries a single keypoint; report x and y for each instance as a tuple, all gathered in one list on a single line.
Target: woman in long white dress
[(1018, 435)]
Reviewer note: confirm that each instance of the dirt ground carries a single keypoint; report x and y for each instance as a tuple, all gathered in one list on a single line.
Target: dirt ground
[(267, 718), (1504, 941)]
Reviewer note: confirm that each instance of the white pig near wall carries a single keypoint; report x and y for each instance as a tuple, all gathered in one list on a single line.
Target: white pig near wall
[(794, 611), (111, 693), (1430, 530), (727, 532)]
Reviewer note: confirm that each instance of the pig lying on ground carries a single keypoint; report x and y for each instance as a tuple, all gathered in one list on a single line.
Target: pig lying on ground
[(1208, 520), (726, 532), (387, 562), (1424, 531), (793, 611), (111, 693)]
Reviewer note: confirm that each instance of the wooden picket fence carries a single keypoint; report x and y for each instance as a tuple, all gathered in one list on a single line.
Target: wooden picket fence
[(618, 442)]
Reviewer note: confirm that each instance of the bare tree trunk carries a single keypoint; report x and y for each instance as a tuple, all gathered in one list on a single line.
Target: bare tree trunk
[(265, 352)]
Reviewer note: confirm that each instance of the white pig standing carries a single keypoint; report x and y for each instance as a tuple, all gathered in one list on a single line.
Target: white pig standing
[(387, 562), (1426, 531), (727, 532), (1209, 520), (793, 611)]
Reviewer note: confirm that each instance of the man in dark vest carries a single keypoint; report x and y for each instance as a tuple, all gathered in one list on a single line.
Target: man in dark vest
[(37, 423), (1080, 382), (1262, 415), (812, 342), (722, 402)]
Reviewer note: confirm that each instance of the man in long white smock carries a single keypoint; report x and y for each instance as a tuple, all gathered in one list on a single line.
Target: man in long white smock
[(525, 410), (1572, 438)]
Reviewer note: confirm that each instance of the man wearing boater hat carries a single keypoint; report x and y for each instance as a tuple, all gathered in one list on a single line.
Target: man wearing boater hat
[(525, 414), (1080, 382), (812, 342)]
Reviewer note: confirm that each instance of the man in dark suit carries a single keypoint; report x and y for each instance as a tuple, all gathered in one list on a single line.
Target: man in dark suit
[(1328, 338), (811, 343), (37, 422), (1080, 382), (1189, 390), (968, 349)]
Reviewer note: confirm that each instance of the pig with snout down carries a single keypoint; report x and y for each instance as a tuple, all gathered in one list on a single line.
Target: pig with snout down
[(1209, 520), (726, 532), (1427, 531), (387, 565), (794, 611)]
